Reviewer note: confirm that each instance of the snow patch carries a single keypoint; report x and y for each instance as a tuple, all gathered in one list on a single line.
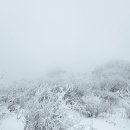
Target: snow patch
[(12, 123)]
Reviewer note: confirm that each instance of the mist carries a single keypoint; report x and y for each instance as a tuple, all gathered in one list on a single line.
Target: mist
[(76, 35)]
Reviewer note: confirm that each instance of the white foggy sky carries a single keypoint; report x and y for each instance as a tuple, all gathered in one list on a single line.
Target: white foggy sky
[(38, 35)]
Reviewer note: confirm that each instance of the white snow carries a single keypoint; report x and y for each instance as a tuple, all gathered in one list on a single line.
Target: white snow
[(110, 123), (113, 122), (12, 123), (101, 124)]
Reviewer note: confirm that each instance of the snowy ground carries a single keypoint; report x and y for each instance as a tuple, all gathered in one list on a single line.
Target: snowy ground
[(11, 123), (113, 122), (102, 124)]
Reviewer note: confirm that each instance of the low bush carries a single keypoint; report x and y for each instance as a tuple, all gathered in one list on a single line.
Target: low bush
[(94, 106), (46, 110)]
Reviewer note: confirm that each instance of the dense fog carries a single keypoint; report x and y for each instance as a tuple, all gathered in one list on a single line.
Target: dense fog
[(37, 37)]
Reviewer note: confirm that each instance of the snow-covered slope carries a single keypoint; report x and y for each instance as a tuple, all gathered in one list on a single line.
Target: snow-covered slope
[(11, 123), (111, 122), (101, 124)]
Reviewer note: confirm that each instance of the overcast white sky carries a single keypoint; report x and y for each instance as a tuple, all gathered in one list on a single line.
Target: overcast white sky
[(39, 35)]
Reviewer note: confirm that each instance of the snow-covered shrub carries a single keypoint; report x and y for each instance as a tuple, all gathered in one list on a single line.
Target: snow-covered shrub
[(16, 96), (73, 94), (127, 108), (3, 99), (113, 77), (109, 97), (46, 110), (94, 106), (3, 96), (128, 112), (73, 98)]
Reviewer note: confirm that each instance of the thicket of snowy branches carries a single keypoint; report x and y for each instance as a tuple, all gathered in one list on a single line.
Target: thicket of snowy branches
[(47, 104)]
